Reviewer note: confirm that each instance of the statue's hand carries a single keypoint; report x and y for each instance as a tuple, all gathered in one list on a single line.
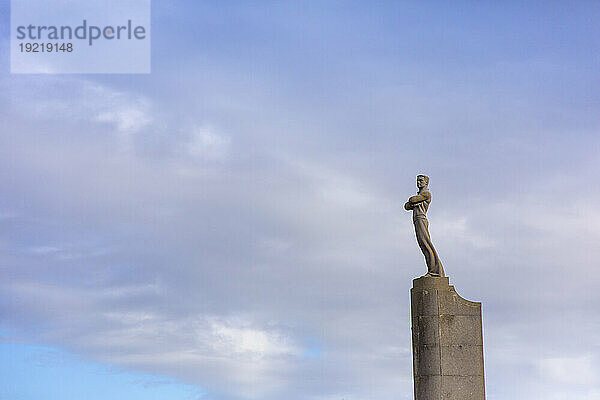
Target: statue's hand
[(408, 206)]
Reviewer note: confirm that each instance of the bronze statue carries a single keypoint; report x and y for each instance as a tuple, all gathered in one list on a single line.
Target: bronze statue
[(419, 205)]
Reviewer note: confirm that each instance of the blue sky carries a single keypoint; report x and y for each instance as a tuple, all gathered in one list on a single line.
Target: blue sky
[(231, 227), (38, 372)]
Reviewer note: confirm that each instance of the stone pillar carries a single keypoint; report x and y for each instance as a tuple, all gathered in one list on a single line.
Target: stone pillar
[(447, 342)]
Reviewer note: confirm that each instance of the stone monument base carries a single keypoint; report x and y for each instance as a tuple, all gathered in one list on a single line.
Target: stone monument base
[(447, 342)]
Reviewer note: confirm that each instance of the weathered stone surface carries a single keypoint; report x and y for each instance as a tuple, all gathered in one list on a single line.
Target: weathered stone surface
[(461, 360), (428, 387), (460, 329), (462, 387), (427, 330), (427, 360), (447, 342)]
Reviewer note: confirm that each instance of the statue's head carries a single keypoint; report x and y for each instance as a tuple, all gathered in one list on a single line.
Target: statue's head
[(422, 181)]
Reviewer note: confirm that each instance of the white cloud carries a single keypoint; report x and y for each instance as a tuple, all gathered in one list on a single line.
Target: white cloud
[(206, 145), (233, 339), (569, 370), (127, 120), (458, 232), (44, 250), (336, 188), (59, 99)]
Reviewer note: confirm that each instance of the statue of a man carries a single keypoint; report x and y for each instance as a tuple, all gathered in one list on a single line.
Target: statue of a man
[(419, 205)]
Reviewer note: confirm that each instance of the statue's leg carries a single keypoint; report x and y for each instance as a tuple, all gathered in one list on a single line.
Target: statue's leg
[(439, 266), (434, 265), (424, 242)]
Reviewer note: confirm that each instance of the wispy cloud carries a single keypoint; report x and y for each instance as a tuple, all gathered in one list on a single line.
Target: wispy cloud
[(569, 370), (206, 145)]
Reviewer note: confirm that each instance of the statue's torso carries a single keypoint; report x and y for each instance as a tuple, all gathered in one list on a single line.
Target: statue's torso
[(420, 209)]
